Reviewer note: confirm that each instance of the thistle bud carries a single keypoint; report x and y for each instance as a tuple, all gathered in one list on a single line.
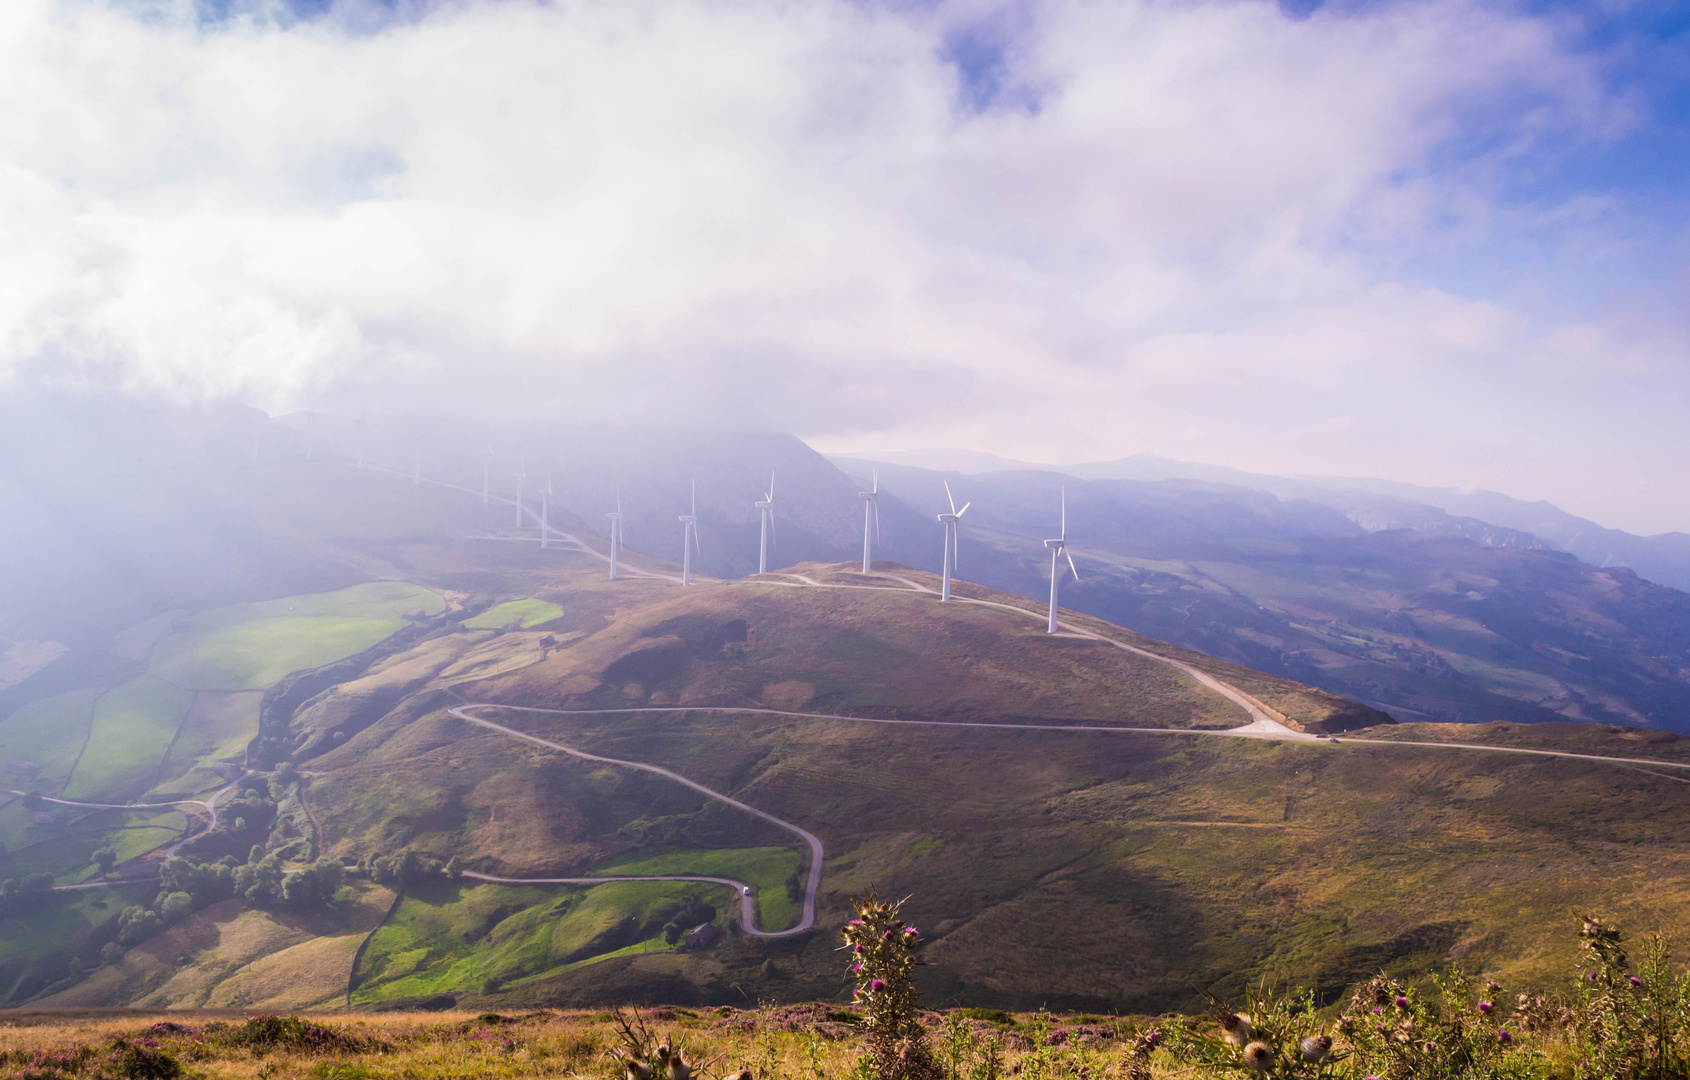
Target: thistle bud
[(1259, 1056), (1316, 1048)]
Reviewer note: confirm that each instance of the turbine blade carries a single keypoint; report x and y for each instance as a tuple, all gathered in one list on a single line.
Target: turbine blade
[(1071, 566), (876, 487), (876, 504), (964, 509), (771, 492), (695, 498), (1064, 511), (949, 497), (773, 542)]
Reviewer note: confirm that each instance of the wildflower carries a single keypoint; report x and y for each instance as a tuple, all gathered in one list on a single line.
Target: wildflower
[(1316, 1047), (911, 931), (1259, 1056), (1402, 1002), (1503, 1036), (856, 969), (1591, 976), (1485, 1006), (1493, 986), (1236, 1027), (858, 949), (1378, 1012), (877, 986), (1635, 981), (890, 934)]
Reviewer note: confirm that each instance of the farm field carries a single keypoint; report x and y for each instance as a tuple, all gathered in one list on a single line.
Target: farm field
[(520, 614), (461, 937), (765, 869), (134, 725), (251, 646), (41, 741)]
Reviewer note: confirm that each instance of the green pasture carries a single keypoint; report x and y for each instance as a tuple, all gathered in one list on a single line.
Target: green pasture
[(765, 869), (218, 727), (458, 936), (133, 727), (39, 743), (67, 851), (252, 646), (38, 944), (518, 613)]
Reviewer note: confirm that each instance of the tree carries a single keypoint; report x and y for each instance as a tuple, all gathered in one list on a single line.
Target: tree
[(105, 859), (137, 924), (174, 907), (672, 933), (111, 952)]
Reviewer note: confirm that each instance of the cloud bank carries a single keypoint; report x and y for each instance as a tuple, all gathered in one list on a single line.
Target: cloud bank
[(1204, 229)]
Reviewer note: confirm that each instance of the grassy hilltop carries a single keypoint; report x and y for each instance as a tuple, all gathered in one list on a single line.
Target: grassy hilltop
[(1094, 870)]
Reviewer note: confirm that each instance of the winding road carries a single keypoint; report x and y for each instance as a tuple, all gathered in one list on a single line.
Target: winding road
[(1260, 725), (208, 804)]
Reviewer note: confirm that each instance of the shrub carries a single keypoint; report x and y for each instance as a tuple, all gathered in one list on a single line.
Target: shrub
[(174, 907), (137, 924), (882, 965)]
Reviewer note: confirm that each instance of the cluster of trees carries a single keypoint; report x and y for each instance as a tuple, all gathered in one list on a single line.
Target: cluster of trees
[(17, 896), (695, 913), (406, 867)]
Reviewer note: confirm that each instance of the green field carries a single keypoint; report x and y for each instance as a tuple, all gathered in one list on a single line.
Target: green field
[(48, 735), (456, 936), (252, 646), (765, 869), (133, 727), (518, 613)]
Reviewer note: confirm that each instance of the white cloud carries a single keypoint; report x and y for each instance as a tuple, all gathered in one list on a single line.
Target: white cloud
[(783, 212)]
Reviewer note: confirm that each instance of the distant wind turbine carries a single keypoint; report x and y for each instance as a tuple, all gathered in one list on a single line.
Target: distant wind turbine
[(689, 537), (521, 475), (615, 533), (1059, 550), (546, 511), (950, 521), (766, 512), (871, 513)]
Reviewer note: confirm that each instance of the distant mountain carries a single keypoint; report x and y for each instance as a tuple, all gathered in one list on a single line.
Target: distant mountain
[(1485, 517), (1430, 624)]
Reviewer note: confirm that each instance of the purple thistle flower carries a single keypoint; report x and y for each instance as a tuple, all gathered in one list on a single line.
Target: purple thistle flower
[(1377, 1011), (1402, 1002), (857, 969), (1635, 981), (1591, 976), (1485, 1006), (890, 934), (911, 931), (858, 949), (877, 985), (1503, 1036)]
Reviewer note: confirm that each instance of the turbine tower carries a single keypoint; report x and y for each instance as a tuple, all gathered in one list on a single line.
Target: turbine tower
[(950, 522), (521, 474), (1059, 550), (871, 512), (766, 513), (615, 533), (546, 511), (689, 537)]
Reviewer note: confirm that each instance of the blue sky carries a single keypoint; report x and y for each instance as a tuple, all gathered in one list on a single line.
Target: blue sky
[(1442, 241)]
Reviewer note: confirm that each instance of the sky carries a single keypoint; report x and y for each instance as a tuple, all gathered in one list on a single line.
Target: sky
[(1439, 241)]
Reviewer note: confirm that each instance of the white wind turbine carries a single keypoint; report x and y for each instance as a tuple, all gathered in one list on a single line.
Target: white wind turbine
[(1059, 550), (546, 511), (689, 537), (521, 475), (871, 512), (950, 522), (766, 512), (615, 533)]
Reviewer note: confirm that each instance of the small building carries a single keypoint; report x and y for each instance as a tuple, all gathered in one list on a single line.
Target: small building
[(701, 937)]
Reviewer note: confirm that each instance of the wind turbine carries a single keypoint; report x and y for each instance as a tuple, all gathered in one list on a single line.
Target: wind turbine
[(950, 522), (521, 475), (871, 510), (766, 512), (689, 537), (615, 533), (546, 511), (1059, 550)]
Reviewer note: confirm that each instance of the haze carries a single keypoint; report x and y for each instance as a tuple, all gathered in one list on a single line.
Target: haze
[(1439, 242)]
